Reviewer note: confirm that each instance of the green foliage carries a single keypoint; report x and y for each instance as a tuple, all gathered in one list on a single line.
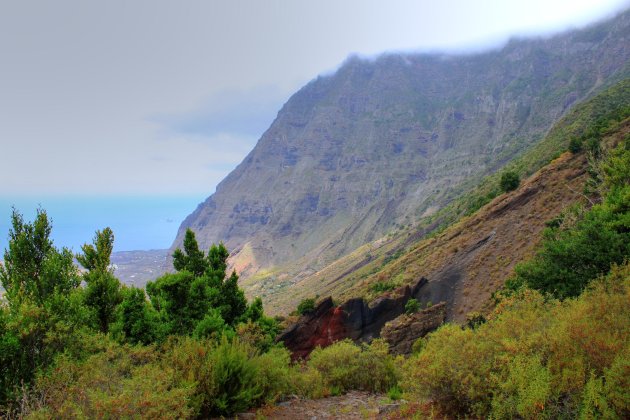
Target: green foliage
[(394, 393), (534, 358), (509, 181), (570, 258), (345, 366), (102, 291), (212, 325), (274, 374), (96, 257), (575, 145), (136, 320), (44, 309), (191, 259), (55, 361), (33, 268), (393, 256), (115, 382), (572, 255), (380, 287), (412, 306), (306, 306), (194, 298), (235, 378), (524, 390), (233, 302)]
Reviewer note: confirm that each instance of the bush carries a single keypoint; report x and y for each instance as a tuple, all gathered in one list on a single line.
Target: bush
[(227, 376), (274, 373), (119, 382), (306, 306), (575, 145), (509, 181), (307, 382), (380, 287), (570, 258), (534, 358), (412, 306), (235, 378), (345, 366)]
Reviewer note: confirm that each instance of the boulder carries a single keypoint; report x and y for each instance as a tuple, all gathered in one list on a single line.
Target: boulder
[(404, 330)]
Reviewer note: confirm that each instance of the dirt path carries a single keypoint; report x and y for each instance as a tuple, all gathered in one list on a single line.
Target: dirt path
[(353, 405)]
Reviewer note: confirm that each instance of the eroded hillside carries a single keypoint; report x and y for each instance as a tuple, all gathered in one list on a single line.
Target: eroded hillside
[(471, 258)]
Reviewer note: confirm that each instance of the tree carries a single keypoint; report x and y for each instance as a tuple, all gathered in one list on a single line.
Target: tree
[(191, 259), (198, 291), (233, 302), (96, 257), (509, 181), (33, 268), (135, 318), (43, 310), (102, 292)]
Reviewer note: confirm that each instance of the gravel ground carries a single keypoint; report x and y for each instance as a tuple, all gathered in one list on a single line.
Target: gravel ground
[(353, 405)]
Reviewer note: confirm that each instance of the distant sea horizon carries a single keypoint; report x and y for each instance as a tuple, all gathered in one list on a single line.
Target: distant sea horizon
[(140, 223)]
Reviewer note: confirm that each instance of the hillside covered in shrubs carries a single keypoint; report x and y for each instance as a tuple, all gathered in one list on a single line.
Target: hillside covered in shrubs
[(75, 343)]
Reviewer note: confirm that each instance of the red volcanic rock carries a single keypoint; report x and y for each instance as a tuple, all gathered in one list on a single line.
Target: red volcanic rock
[(353, 319)]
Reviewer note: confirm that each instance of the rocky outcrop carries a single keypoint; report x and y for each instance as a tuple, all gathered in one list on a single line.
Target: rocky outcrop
[(403, 331), (354, 319), (357, 154)]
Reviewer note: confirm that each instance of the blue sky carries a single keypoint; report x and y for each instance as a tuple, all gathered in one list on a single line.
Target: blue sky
[(146, 222), (162, 99)]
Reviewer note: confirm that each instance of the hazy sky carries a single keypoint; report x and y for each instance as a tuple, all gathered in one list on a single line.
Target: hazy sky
[(166, 97)]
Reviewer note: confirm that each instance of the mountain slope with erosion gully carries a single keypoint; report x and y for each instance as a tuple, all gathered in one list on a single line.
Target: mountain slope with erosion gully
[(454, 273)]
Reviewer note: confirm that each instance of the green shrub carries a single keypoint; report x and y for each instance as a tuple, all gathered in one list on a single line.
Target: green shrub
[(524, 390), (394, 393), (306, 306), (575, 145), (235, 378), (535, 357), (570, 258), (346, 366), (380, 287), (274, 374), (118, 382), (412, 306), (307, 382), (509, 181)]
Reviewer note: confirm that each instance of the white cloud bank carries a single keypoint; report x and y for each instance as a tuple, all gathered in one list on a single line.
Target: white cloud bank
[(157, 97)]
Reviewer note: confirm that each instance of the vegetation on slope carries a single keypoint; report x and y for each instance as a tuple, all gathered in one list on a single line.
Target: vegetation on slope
[(557, 345), (535, 358), (538, 356), (53, 328)]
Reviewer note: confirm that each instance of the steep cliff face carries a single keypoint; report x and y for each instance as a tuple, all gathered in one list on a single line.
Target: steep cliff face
[(354, 319), (355, 155)]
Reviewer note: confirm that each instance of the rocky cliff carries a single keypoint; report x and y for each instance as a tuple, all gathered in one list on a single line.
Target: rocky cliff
[(354, 319), (402, 332), (380, 143)]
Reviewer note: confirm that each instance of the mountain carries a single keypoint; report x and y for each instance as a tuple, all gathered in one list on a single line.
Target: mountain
[(454, 274), (477, 239), (380, 145)]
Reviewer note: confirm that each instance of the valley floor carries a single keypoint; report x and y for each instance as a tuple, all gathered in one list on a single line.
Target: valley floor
[(353, 405)]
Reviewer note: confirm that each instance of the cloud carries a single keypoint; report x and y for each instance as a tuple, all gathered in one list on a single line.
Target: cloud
[(157, 97), (233, 112)]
